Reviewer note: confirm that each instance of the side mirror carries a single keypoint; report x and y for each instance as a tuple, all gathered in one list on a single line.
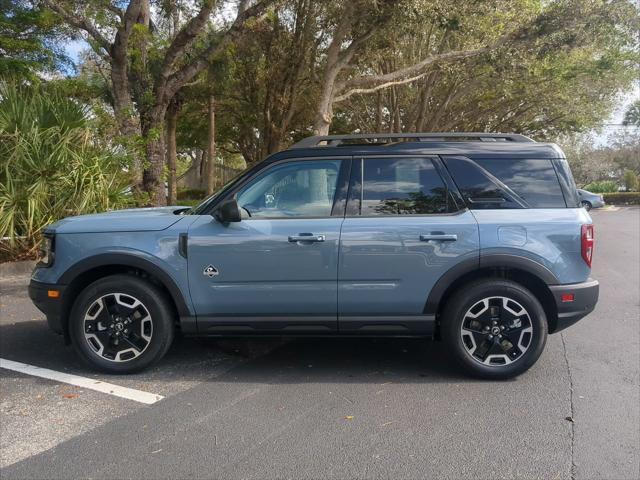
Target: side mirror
[(228, 211)]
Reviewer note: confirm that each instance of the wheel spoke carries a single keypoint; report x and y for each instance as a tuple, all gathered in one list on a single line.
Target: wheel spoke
[(118, 327), (496, 331)]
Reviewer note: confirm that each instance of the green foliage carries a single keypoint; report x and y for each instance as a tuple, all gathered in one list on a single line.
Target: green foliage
[(630, 180), (29, 40), (562, 79), (51, 166), (632, 115), (622, 198), (602, 186)]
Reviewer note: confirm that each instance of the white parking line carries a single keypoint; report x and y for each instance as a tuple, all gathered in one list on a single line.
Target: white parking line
[(83, 382)]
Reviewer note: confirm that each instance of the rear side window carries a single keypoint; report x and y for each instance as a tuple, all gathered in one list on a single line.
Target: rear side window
[(534, 181), (406, 186)]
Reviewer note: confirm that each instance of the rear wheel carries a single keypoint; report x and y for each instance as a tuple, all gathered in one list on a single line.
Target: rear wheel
[(494, 328), (121, 324), (586, 205)]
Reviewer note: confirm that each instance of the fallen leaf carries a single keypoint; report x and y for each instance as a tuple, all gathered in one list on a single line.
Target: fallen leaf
[(569, 419), (69, 395), (387, 423), (349, 417)]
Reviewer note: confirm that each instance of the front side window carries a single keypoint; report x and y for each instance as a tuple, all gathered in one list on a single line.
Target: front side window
[(295, 189), (406, 186)]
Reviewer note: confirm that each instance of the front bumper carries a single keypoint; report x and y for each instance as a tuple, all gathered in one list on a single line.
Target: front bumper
[(51, 307), (585, 297)]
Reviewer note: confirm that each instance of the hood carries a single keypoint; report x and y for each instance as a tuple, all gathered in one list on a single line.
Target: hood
[(129, 220)]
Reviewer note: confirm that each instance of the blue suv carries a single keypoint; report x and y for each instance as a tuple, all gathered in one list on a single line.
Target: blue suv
[(472, 238)]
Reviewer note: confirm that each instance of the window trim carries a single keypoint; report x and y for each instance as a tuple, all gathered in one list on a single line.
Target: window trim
[(356, 190), (343, 176)]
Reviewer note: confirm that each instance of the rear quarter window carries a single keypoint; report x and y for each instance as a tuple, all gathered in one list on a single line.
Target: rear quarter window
[(535, 181), (476, 186), (568, 184), (507, 183)]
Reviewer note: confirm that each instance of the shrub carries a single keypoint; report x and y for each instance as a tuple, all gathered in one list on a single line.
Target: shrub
[(603, 186), (630, 180), (622, 198), (191, 194), (51, 166)]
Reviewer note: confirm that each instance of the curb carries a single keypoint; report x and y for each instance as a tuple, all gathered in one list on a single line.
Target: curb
[(15, 269)]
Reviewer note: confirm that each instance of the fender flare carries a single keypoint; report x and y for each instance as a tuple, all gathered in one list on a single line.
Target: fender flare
[(470, 265), (128, 260)]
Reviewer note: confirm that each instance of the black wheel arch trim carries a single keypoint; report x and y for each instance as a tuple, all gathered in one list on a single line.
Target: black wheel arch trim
[(471, 265), (128, 260)]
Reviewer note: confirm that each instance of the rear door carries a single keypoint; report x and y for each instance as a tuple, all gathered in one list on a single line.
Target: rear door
[(403, 230)]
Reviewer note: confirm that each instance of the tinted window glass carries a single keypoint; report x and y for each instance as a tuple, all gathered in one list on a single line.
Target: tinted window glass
[(296, 189), (567, 182), (476, 187), (535, 181), (402, 187)]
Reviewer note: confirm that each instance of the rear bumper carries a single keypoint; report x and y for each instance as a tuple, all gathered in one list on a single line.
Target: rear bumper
[(51, 307), (585, 297)]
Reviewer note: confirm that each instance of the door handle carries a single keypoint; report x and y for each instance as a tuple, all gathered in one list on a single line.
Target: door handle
[(306, 237), (442, 237)]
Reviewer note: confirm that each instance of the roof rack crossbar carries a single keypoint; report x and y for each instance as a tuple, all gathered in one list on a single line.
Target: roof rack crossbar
[(336, 140)]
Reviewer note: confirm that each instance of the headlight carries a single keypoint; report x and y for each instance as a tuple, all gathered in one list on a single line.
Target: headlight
[(45, 256)]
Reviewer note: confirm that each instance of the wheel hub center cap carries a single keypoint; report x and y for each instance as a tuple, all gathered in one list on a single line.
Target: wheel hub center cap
[(495, 330), (119, 326)]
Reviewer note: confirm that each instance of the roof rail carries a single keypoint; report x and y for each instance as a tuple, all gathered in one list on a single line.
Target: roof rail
[(337, 140)]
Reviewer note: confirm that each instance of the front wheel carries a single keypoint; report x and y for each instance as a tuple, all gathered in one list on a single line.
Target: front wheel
[(121, 324), (586, 205), (494, 329)]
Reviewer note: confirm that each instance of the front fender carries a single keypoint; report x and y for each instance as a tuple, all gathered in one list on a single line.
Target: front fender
[(126, 257)]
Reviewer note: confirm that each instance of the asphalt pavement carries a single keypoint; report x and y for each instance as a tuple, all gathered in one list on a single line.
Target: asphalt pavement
[(338, 408)]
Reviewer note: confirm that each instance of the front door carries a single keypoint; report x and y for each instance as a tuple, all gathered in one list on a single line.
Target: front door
[(402, 232), (276, 270)]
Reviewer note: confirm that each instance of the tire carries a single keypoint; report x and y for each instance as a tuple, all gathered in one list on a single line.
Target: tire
[(121, 324), (500, 353), (586, 205)]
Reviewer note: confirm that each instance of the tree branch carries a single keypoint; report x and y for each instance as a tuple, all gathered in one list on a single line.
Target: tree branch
[(80, 22), (186, 73), (373, 83), (184, 38), (118, 11)]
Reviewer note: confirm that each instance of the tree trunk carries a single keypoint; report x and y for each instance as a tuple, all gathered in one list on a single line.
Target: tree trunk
[(152, 175), (172, 155), (211, 150), (324, 110)]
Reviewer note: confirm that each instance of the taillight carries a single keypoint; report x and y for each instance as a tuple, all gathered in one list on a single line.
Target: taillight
[(587, 241)]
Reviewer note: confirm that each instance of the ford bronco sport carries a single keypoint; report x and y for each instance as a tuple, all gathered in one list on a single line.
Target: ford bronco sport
[(473, 238)]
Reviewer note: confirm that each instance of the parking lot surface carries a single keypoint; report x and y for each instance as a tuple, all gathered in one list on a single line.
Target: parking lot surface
[(336, 408)]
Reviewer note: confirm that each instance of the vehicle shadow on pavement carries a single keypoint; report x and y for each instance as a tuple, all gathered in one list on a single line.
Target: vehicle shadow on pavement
[(260, 360)]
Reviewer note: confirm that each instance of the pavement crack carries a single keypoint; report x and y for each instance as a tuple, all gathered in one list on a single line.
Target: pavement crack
[(572, 472)]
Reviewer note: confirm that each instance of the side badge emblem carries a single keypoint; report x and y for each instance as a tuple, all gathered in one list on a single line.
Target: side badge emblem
[(210, 271)]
